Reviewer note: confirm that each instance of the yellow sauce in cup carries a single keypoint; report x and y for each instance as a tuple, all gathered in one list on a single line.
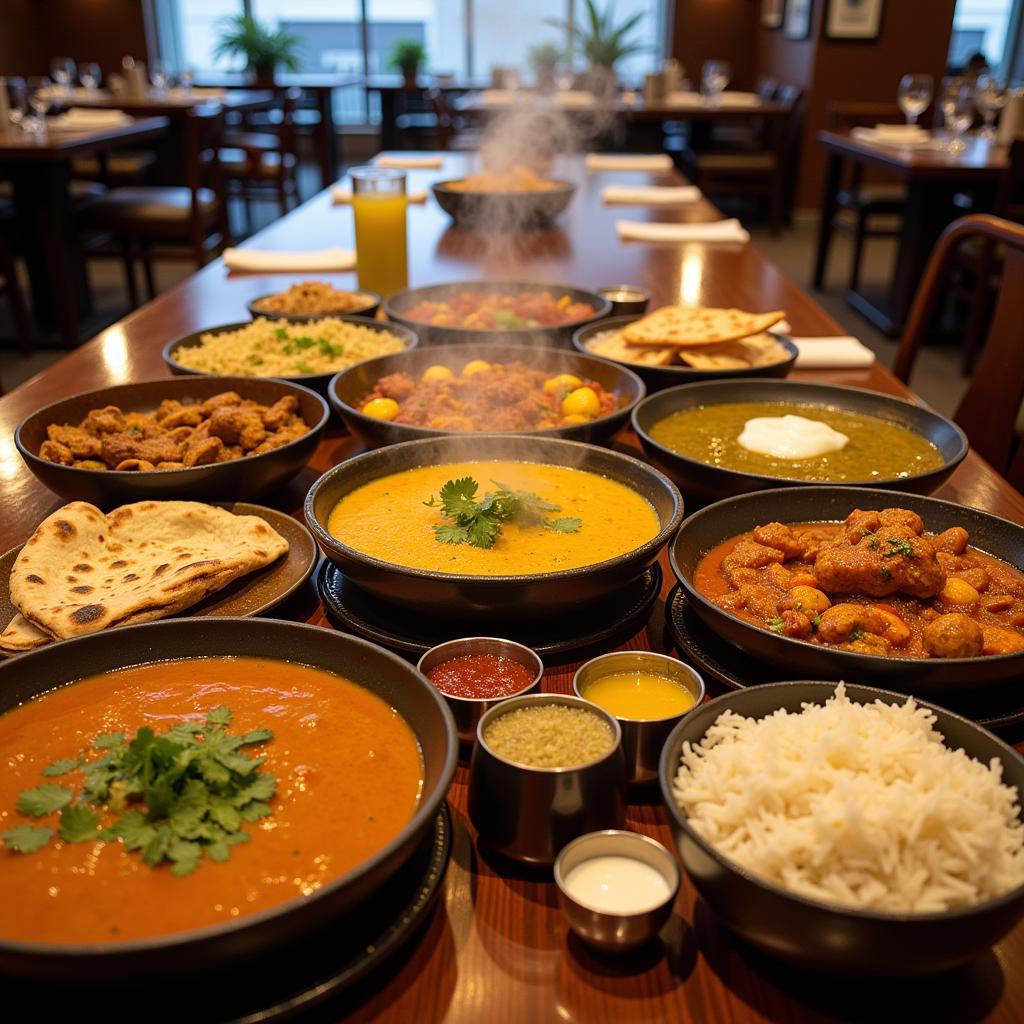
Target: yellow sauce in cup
[(639, 695)]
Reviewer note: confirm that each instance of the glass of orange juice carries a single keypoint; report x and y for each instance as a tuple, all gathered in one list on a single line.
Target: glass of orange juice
[(379, 204)]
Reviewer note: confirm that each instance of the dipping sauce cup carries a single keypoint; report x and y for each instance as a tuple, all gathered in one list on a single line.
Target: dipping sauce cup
[(642, 738), (626, 299)]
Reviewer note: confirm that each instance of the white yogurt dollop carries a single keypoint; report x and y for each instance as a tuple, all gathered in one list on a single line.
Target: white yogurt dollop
[(790, 437), (617, 885)]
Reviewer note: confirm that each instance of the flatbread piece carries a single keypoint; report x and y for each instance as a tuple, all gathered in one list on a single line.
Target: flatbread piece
[(693, 326)]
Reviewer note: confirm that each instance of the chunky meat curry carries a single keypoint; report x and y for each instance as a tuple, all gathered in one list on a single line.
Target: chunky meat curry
[(873, 584)]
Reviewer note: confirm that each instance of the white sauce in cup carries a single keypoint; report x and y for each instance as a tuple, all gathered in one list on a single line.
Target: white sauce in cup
[(617, 885), (790, 437)]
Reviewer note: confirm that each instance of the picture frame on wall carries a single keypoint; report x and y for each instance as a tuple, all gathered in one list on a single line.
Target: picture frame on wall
[(772, 12), (798, 19), (853, 19)]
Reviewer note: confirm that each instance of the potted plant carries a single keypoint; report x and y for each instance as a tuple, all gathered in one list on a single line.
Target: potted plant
[(408, 55), (601, 42), (263, 49), (544, 59)]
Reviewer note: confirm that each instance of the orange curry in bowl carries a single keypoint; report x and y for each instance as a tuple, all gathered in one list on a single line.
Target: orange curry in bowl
[(873, 584), (182, 794)]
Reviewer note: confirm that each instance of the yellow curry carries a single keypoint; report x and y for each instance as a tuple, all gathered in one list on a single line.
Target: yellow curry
[(388, 519)]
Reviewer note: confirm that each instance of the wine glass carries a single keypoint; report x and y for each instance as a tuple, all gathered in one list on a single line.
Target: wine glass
[(17, 101), (914, 95), (158, 76), (89, 75), (63, 71), (957, 102), (38, 90), (187, 78), (990, 96), (714, 77)]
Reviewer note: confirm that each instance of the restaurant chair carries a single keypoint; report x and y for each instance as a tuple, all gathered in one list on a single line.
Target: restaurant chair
[(149, 222), (865, 209), (746, 135), (122, 167), (416, 122), (989, 410), (261, 165), (451, 133)]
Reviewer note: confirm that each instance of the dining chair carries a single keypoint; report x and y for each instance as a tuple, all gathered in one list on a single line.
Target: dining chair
[(152, 222), (989, 409), (451, 134), (865, 209)]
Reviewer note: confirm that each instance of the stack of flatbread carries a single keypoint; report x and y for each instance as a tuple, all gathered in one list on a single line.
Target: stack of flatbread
[(702, 337), (83, 571)]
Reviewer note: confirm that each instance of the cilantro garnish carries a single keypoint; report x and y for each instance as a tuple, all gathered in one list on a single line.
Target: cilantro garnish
[(856, 635), (174, 796), (478, 523), (886, 575), (776, 624), (898, 546), (281, 332)]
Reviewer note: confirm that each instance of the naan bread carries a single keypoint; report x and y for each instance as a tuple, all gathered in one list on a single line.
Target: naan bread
[(692, 326), (82, 571), (612, 345), (758, 350), (21, 635)]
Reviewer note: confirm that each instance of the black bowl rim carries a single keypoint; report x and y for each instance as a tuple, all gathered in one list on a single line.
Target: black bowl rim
[(602, 307), (610, 323), (947, 465), (293, 317), (650, 547), (853, 660), (425, 812), (563, 187), (344, 409), (399, 330), (891, 917), (236, 382)]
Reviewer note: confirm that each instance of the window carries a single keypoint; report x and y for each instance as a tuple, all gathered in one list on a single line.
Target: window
[(980, 26)]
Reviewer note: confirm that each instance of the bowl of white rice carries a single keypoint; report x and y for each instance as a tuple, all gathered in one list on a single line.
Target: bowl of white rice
[(848, 829), (308, 353)]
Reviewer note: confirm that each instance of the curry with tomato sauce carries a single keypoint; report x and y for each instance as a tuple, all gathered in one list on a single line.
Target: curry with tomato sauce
[(349, 773), (873, 584)]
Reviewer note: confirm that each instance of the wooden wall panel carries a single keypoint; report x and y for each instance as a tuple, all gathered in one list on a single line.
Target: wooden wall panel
[(716, 30)]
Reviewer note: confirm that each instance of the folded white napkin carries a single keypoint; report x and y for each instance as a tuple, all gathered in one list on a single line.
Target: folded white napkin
[(651, 195), (629, 162), (79, 119), (716, 231), (912, 141), (900, 129), (726, 99), (499, 97), (782, 327), (341, 194), (411, 162), (267, 261), (574, 98), (832, 353)]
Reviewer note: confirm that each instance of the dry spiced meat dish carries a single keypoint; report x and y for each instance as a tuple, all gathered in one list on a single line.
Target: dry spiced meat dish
[(873, 584), (176, 435)]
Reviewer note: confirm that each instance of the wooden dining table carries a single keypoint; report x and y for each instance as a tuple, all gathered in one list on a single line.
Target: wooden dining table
[(495, 947), (933, 177)]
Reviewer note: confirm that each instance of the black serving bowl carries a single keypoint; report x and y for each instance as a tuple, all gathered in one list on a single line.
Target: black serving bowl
[(821, 936), (382, 673), (432, 334), (238, 480), (503, 211), (710, 483), (658, 377), (351, 386), (484, 597), (317, 381), (932, 678), (367, 310)]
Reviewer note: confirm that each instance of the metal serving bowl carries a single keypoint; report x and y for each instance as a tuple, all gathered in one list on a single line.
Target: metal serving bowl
[(316, 381), (396, 305), (348, 388), (484, 597), (659, 377), (528, 813), (642, 738), (932, 678), (383, 674), (713, 482), (368, 310), (502, 211), (241, 479), (467, 711), (606, 930), (819, 935)]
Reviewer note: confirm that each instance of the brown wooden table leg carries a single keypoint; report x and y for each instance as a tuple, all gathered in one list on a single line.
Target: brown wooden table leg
[(833, 174), (48, 240)]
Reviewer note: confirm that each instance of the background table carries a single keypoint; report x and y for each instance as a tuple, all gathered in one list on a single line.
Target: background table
[(495, 948), (933, 177)]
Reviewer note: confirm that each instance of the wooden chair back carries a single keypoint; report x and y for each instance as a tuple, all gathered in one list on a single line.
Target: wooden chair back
[(1009, 198), (445, 120), (203, 140), (988, 411)]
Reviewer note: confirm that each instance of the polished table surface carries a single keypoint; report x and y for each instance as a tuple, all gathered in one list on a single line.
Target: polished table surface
[(173, 100), (16, 145), (496, 947)]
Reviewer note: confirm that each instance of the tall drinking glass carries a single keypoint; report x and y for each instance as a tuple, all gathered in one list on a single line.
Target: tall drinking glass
[(379, 207), (89, 75), (914, 95), (63, 71), (957, 102), (990, 96), (714, 77), (38, 90)]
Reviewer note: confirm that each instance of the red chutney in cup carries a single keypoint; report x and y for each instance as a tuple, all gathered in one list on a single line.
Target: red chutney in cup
[(480, 676)]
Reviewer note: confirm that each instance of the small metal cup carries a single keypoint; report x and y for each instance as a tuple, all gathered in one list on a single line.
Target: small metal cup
[(642, 738), (626, 299), (468, 711), (529, 813), (604, 929)]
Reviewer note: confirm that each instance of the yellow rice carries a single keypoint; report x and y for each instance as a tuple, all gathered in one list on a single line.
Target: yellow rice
[(549, 736)]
